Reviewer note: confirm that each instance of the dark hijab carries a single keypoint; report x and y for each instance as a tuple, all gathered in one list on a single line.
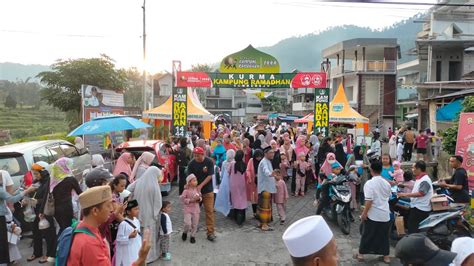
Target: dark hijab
[(239, 162), (341, 156), (257, 153), (357, 155)]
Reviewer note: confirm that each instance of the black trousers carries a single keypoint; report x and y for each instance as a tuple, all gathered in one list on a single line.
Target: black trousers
[(414, 219), (323, 203), (4, 254), (48, 234), (407, 151), (64, 218), (181, 178)]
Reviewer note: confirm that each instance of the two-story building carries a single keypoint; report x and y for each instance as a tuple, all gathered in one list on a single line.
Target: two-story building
[(440, 73), (367, 68)]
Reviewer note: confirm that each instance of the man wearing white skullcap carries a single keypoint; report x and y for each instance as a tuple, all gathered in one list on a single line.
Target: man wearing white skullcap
[(310, 241)]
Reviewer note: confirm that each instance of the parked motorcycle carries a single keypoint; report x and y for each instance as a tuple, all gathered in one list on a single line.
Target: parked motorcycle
[(339, 209), (443, 227)]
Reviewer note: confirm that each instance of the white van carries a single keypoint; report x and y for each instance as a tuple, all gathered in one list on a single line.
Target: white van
[(18, 158)]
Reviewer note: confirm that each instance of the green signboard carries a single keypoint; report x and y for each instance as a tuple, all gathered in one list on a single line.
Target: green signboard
[(321, 111), (179, 113), (249, 60)]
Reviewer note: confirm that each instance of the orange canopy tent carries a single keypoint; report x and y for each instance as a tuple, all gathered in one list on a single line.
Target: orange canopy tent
[(340, 112), (196, 112)]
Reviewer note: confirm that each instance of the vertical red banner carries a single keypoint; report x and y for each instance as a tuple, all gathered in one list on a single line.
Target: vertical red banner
[(465, 145)]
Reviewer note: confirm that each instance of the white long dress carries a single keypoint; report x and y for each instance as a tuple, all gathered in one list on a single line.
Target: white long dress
[(126, 249)]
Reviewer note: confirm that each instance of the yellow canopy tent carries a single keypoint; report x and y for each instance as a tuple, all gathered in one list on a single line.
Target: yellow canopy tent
[(340, 112), (196, 113)]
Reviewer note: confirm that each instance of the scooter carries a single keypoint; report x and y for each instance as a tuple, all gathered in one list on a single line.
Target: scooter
[(443, 227), (339, 209)]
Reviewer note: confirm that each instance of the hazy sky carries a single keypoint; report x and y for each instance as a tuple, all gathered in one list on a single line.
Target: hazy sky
[(193, 31)]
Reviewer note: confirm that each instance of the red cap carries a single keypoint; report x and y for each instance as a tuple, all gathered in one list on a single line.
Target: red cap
[(199, 150)]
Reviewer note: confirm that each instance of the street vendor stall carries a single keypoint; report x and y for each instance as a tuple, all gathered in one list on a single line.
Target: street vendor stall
[(161, 115), (340, 113)]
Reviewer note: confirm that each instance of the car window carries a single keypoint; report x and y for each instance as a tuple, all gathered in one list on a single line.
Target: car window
[(14, 165), (42, 154), (69, 150), (162, 149), (56, 152)]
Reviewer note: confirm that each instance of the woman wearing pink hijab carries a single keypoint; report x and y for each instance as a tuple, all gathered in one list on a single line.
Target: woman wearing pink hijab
[(141, 165), (300, 148), (326, 167), (124, 164)]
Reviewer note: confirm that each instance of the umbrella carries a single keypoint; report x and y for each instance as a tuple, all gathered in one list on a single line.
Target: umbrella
[(106, 124)]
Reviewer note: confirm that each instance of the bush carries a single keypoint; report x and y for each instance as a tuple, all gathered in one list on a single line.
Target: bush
[(450, 135)]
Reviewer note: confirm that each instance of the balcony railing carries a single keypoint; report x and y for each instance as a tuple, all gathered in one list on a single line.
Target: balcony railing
[(372, 66)]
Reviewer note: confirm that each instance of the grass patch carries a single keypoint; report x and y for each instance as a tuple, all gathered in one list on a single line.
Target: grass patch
[(28, 124)]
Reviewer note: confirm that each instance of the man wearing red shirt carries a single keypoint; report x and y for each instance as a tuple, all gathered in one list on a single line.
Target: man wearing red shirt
[(421, 144), (92, 249)]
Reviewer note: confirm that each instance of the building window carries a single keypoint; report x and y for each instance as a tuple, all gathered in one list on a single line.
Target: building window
[(372, 92), (212, 104), (349, 90)]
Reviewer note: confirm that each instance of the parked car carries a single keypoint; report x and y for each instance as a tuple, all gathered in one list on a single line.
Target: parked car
[(164, 158), (18, 158)]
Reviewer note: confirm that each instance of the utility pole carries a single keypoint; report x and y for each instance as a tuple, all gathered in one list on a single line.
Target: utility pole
[(144, 58)]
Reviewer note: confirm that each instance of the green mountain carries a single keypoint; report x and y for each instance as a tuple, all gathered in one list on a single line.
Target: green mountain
[(15, 71), (304, 53)]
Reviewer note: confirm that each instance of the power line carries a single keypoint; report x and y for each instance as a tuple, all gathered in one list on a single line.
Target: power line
[(321, 4), (385, 2)]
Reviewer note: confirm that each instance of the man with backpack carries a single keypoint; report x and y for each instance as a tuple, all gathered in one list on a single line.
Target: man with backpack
[(83, 244), (184, 157)]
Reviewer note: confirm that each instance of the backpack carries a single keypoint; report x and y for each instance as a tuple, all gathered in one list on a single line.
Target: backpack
[(65, 243)]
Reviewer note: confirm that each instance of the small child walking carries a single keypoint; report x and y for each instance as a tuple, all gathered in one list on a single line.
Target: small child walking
[(165, 231), (281, 196), (400, 150), (284, 166), (128, 241), (190, 199), (301, 167), (397, 172)]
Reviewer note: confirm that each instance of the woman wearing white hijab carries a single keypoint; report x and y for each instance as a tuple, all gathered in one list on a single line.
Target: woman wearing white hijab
[(146, 191), (141, 165)]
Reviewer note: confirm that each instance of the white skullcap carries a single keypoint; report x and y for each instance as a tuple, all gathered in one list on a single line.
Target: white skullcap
[(307, 236), (464, 247)]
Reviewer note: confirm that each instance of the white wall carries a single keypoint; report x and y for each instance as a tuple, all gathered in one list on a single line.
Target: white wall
[(352, 81)]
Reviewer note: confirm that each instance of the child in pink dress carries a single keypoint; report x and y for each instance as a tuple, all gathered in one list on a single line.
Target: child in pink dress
[(397, 172), (301, 166), (284, 166), (191, 198), (281, 196)]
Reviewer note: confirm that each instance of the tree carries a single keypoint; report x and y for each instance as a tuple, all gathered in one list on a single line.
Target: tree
[(133, 94), (274, 104), (63, 83), (450, 135), (10, 101)]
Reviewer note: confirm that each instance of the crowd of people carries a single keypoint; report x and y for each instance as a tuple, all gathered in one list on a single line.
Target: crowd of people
[(122, 215)]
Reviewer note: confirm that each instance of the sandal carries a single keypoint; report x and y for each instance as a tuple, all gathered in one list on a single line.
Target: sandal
[(358, 257), (32, 258), (43, 260)]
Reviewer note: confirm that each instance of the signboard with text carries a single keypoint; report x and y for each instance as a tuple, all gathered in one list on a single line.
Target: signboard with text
[(321, 111), (251, 80), (179, 120), (465, 145), (97, 102)]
